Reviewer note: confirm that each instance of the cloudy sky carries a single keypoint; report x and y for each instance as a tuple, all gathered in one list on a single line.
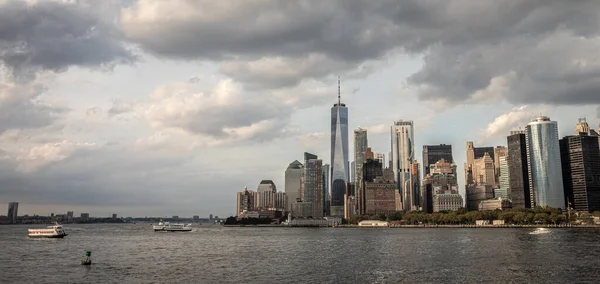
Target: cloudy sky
[(157, 108)]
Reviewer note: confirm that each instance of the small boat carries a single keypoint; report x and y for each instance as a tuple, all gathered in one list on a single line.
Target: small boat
[(55, 231), (168, 227)]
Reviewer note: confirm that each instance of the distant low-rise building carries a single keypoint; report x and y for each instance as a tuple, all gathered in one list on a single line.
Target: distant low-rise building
[(373, 223), (447, 202), (495, 204), (85, 216)]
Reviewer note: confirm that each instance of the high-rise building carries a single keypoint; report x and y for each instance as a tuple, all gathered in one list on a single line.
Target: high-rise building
[(434, 153), (476, 193), (339, 156), (544, 165), (499, 151), (267, 196), (371, 170), (518, 174), (403, 154), (293, 175), (246, 201), (381, 158), (326, 184), (13, 212), (266, 185), (474, 153), (312, 184), (504, 179), (482, 171), (380, 194), (440, 188), (416, 185), (580, 156), (360, 147)]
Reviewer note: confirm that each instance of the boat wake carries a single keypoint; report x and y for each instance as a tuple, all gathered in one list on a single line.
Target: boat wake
[(540, 231)]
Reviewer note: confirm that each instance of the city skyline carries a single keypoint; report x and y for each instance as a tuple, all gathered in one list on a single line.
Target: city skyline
[(105, 118)]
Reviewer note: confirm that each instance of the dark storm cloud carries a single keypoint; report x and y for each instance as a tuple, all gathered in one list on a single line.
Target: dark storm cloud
[(466, 43), (51, 35)]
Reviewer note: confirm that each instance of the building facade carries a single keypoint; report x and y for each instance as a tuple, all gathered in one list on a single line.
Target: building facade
[(447, 202), (403, 154), (293, 175), (544, 165), (360, 147), (504, 179), (482, 171), (478, 193), (499, 152), (580, 156), (371, 170), (518, 172), (339, 156), (434, 153), (326, 184), (313, 184), (380, 194)]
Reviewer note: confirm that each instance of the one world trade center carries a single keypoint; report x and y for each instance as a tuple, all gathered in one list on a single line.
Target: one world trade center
[(339, 155)]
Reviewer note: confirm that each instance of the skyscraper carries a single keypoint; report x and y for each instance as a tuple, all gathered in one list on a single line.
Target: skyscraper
[(434, 153), (544, 165), (416, 185), (518, 174), (293, 175), (474, 153), (403, 154), (325, 197), (360, 146), (13, 212), (499, 151), (312, 182), (503, 180), (580, 156), (339, 155)]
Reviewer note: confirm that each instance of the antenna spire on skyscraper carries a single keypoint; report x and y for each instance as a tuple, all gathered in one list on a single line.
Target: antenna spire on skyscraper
[(339, 93)]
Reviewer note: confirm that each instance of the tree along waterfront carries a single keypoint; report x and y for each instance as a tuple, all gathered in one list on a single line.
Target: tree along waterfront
[(533, 216)]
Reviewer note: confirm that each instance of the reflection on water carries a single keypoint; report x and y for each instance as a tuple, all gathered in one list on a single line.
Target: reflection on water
[(213, 254)]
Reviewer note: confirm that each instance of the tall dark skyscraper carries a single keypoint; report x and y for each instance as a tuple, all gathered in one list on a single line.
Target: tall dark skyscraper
[(339, 156), (518, 174), (13, 212), (580, 157), (434, 153)]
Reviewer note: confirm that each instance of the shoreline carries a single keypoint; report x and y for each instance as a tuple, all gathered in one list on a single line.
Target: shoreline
[(428, 226)]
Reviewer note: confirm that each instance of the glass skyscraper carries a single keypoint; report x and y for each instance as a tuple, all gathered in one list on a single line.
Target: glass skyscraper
[(360, 146), (403, 155), (339, 156), (544, 164)]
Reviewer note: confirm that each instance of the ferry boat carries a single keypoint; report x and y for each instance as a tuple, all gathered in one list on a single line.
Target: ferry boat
[(55, 231), (168, 227)]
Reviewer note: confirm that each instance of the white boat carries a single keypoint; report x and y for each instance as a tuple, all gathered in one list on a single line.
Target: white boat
[(55, 231), (168, 227)]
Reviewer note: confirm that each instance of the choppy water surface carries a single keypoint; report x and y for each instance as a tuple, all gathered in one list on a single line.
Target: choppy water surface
[(213, 254)]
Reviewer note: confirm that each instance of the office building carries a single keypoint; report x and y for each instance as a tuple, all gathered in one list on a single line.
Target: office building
[(504, 180), (326, 183), (266, 186), (474, 153), (380, 194), (580, 156), (434, 153), (416, 185), (371, 170), (518, 174), (350, 203), (13, 212), (482, 171), (544, 165), (84, 216), (381, 158), (440, 188), (499, 151), (403, 154), (339, 156), (293, 175), (478, 193), (312, 184), (360, 147)]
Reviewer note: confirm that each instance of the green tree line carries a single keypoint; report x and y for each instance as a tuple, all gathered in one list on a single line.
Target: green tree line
[(536, 215)]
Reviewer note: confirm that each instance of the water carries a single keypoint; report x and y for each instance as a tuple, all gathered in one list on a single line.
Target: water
[(124, 253)]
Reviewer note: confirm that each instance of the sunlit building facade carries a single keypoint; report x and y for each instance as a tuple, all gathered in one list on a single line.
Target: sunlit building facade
[(339, 156)]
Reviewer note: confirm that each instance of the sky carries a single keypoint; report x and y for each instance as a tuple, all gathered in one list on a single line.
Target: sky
[(160, 108)]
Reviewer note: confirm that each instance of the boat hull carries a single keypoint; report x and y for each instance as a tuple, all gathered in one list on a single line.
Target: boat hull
[(47, 237), (173, 230)]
